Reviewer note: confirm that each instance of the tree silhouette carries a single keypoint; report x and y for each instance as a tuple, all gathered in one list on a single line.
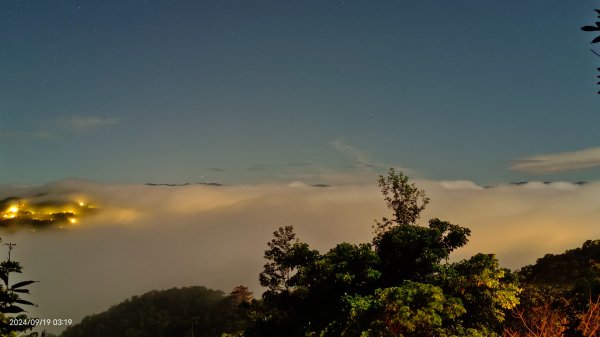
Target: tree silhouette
[(285, 253), (11, 303), (595, 28), (404, 199)]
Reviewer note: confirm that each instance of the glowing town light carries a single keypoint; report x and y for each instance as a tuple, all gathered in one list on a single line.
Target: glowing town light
[(13, 209), (73, 220), (81, 204)]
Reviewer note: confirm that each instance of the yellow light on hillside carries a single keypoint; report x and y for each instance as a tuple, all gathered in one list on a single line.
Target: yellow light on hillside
[(81, 204), (73, 220), (13, 209)]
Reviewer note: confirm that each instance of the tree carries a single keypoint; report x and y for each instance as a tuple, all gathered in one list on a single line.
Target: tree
[(589, 324), (277, 272), (11, 303), (560, 290), (401, 284), (405, 200), (285, 254), (488, 292), (346, 269), (576, 271), (410, 309), (546, 312), (412, 252), (279, 312)]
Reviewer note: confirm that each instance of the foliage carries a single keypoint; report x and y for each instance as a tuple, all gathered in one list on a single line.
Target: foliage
[(594, 28), (414, 252), (548, 316), (576, 271), (11, 302), (404, 199), (167, 313), (589, 321), (345, 269), (399, 285), (487, 291), (410, 309), (285, 254), (560, 290)]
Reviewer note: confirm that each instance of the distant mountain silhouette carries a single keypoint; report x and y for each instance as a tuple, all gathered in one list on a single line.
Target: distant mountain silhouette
[(521, 183), (185, 184)]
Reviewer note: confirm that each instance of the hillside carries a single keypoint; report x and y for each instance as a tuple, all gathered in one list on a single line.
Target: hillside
[(166, 313), (576, 270)]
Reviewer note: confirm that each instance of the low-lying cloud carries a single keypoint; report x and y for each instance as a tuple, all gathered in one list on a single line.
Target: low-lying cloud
[(559, 162), (155, 237)]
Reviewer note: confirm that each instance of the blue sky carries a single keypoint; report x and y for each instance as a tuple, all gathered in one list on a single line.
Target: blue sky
[(261, 91)]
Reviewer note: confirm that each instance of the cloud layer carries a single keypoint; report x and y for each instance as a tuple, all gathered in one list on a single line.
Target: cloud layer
[(154, 237), (559, 162), (83, 123)]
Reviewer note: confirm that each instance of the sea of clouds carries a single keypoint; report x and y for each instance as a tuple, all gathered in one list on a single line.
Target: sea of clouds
[(156, 237)]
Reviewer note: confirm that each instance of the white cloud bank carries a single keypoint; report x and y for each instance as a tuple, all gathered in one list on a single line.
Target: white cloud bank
[(559, 162), (155, 237)]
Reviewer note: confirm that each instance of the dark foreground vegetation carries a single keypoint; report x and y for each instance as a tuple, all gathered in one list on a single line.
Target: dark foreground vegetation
[(12, 304), (399, 284), (173, 312)]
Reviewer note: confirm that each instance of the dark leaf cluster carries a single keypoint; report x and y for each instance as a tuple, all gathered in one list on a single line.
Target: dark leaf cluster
[(594, 28)]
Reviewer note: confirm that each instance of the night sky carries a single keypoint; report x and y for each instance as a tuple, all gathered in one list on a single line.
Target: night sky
[(269, 91), (271, 98)]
